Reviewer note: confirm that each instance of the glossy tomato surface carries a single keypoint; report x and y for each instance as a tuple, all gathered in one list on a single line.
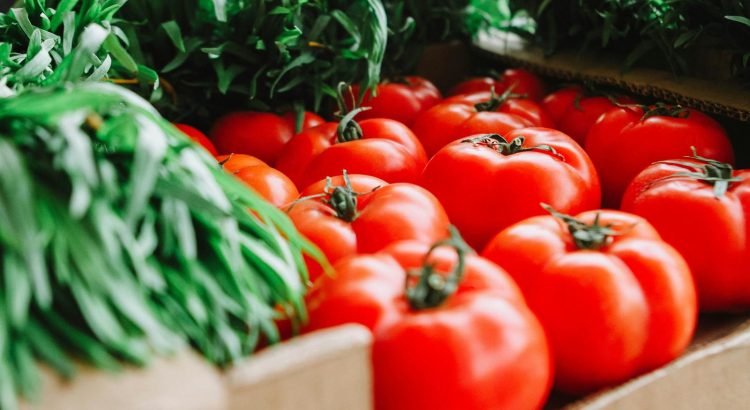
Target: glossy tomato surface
[(383, 213), (575, 111), (481, 349), (309, 120), (271, 184), (262, 135), (623, 142), (401, 100), (525, 108), (711, 231), (448, 121), (520, 81), (611, 312), (386, 150), (485, 190)]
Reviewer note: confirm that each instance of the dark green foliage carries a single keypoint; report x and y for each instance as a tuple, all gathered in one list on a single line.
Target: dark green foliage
[(646, 31)]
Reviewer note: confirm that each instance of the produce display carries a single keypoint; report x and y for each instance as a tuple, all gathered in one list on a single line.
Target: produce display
[(224, 175)]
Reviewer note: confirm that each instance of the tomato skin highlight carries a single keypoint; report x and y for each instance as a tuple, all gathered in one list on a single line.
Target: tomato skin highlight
[(622, 144), (386, 213), (400, 101), (448, 121), (611, 313), (197, 136), (711, 232), (484, 191), (529, 110), (482, 348), (387, 150)]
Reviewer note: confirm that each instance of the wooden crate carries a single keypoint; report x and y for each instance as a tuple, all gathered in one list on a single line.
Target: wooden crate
[(328, 369)]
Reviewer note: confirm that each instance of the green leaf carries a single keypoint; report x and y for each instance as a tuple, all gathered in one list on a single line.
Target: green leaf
[(113, 46), (739, 19), (174, 33)]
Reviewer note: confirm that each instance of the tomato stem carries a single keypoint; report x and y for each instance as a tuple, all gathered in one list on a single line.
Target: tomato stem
[(718, 174), (496, 101), (500, 144), (426, 288), (348, 129), (592, 236), (658, 109), (343, 200)]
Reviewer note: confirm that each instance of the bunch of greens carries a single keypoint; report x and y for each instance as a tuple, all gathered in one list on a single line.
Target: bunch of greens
[(41, 40), (256, 54), (120, 240), (643, 30)]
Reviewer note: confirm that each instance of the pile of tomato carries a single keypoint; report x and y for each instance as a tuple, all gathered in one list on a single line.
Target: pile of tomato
[(501, 242)]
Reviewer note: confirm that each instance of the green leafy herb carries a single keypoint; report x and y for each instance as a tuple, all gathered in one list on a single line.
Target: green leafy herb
[(121, 239)]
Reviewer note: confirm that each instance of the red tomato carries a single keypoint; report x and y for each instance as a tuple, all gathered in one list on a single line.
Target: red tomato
[(232, 163), (366, 215), (533, 112), (614, 299), (521, 81), (383, 148), (198, 137), (270, 184), (575, 112), (448, 121), (472, 344), (309, 120), (558, 102), (625, 141), (702, 208), (486, 183), (259, 134), (399, 100)]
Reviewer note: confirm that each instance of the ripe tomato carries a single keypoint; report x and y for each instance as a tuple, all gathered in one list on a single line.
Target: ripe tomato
[(198, 137), (575, 112), (309, 120), (401, 100), (487, 182), (362, 214), (614, 299), (702, 208), (520, 81), (509, 103), (471, 344), (627, 140), (383, 148), (270, 184), (235, 162), (448, 121), (260, 134)]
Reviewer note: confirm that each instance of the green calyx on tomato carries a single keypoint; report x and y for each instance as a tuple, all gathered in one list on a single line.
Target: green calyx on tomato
[(432, 288), (659, 109), (348, 129), (501, 145), (342, 199), (592, 236), (715, 173), (496, 101)]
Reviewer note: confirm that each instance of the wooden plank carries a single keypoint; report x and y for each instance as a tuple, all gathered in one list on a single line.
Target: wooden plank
[(722, 97), (325, 370), (185, 382)]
